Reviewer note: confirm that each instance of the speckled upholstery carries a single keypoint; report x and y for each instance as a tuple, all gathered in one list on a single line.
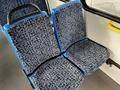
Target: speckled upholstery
[(7, 5), (57, 74), (70, 24), (40, 3), (35, 42), (34, 39), (70, 32), (87, 55), (21, 13)]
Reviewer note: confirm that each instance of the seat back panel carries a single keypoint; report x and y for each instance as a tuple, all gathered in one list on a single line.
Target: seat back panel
[(7, 5), (33, 37), (69, 24)]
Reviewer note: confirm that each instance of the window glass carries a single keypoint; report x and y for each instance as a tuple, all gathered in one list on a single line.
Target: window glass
[(109, 6)]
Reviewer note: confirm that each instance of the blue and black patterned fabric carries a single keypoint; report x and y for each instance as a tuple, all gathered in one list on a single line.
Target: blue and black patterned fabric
[(69, 24), (34, 43), (40, 3), (71, 34), (7, 5), (87, 55), (57, 74), (34, 40)]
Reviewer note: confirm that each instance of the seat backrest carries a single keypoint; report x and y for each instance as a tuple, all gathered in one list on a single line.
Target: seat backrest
[(40, 3), (32, 38), (69, 24), (7, 5)]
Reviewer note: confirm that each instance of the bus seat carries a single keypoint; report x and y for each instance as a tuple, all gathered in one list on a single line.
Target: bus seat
[(70, 31), (40, 3), (69, 26), (34, 43), (31, 36), (57, 74), (7, 5)]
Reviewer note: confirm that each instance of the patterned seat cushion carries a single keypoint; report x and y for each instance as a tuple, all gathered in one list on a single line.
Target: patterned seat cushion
[(69, 24), (7, 5), (87, 55), (34, 40), (57, 74)]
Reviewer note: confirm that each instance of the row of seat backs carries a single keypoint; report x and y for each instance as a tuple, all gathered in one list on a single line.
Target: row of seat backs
[(33, 38), (7, 5), (35, 42)]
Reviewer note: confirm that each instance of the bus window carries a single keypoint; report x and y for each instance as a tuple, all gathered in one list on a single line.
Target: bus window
[(107, 8)]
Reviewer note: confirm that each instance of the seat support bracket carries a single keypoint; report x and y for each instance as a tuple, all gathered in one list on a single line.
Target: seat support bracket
[(111, 62)]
